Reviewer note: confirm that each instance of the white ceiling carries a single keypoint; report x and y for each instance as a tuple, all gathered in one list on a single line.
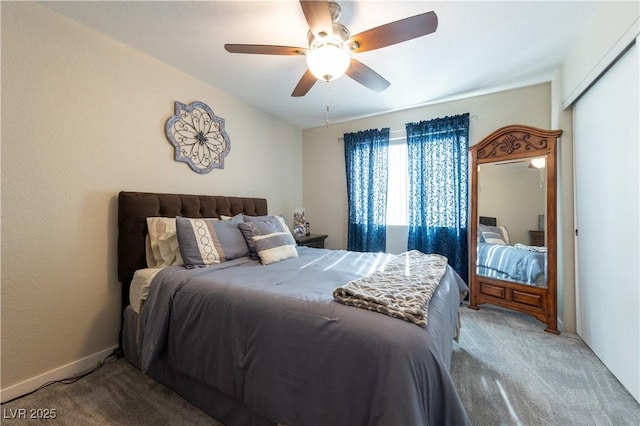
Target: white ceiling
[(479, 47)]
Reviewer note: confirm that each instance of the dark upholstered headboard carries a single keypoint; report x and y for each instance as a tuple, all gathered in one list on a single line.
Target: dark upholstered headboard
[(135, 207), (489, 221)]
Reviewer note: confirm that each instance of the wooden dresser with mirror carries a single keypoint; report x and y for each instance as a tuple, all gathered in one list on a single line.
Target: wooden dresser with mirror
[(513, 183)]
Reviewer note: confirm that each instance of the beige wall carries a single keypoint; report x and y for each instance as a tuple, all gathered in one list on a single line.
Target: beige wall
[(324, 181), (83, 118), (562, 119)]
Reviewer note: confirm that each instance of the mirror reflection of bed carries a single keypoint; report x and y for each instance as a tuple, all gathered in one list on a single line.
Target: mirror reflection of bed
[(511, 208), (499, 257)]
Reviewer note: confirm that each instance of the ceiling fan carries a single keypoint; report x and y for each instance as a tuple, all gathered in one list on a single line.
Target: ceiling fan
[(331, 45)]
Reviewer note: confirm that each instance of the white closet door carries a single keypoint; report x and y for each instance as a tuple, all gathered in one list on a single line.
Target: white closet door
[(607, 159)]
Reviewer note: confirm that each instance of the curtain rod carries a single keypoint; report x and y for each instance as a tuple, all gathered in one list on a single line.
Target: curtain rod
[(471, 117)]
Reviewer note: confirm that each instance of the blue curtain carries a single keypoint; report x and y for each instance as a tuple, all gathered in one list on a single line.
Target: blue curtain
[(438, 188), (366, 158)]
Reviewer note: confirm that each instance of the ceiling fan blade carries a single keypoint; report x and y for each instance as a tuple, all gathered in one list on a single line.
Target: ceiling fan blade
[(305, 84), (317, 16), (366, 76), (264, 49), (395, 32)]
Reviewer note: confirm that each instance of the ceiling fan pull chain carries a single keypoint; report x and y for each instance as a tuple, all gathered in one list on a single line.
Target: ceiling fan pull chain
[(326, 123)]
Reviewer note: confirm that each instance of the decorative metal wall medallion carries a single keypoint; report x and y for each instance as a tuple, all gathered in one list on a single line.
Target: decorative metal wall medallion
[(198, 137)]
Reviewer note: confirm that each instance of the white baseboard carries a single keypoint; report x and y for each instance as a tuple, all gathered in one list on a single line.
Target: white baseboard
[(69, 370)]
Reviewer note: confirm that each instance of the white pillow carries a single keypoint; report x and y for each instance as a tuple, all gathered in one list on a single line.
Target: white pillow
[(169, 248), (162, 251)]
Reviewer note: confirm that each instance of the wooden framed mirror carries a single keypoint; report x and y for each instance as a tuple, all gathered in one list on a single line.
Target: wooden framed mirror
[(512, 238)]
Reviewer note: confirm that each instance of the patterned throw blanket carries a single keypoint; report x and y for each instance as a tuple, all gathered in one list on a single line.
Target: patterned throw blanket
[(401, 290), (530, 248)]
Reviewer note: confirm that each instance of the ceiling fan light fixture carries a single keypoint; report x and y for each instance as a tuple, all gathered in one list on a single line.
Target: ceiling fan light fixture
[(331, 45), (328, 59), (539, 163)]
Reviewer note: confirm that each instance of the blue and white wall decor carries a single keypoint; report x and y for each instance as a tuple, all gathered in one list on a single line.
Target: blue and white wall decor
[(198, 137)]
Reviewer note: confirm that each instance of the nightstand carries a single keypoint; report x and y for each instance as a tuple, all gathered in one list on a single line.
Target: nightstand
[(313, 240), (537, 238)]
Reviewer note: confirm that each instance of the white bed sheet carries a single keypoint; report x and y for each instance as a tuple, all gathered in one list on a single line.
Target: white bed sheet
[(139, 289)]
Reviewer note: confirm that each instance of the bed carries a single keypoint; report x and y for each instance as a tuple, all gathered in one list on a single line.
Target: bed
[(497, 258), (254, 344)]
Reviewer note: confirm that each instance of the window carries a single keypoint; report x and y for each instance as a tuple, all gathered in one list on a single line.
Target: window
[(397, 203)]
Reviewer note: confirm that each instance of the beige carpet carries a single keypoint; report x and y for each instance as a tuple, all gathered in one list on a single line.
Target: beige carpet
[(508, 371), (117, 394)]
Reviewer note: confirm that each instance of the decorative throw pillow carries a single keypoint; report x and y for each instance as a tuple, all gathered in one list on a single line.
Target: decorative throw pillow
[(207, 241), (501, 232), (492, 238), (269, 238), (247, 219), (481, 230)]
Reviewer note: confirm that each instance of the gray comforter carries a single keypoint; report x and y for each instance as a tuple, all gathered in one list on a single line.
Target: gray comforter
[(274, 338)]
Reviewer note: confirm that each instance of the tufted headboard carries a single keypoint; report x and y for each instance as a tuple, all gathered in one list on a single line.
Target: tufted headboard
[(135, 207)]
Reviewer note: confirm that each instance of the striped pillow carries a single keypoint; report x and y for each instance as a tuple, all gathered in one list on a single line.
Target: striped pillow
[(270, 239), (208, 241), (252, 246), (492, 238)]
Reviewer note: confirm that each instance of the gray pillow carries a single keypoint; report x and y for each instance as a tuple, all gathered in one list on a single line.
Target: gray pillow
[(492, 238), (500, 230), (269, 239), (247, 219), (208, 241)]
